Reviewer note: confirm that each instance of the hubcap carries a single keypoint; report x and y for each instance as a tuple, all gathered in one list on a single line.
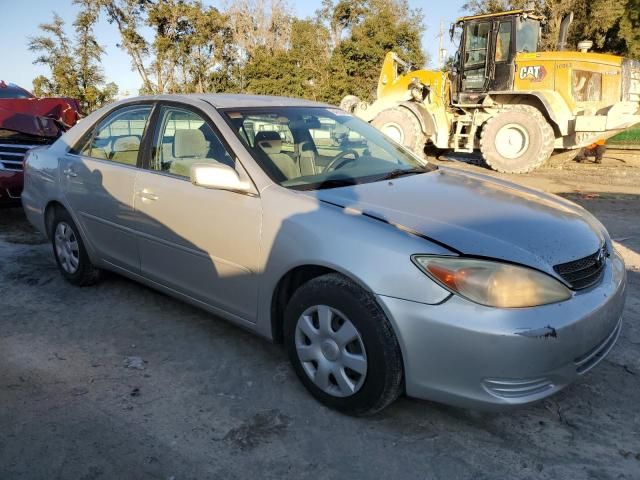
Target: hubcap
[(67, 249), (331, 351), (512, 140), (394, 132)]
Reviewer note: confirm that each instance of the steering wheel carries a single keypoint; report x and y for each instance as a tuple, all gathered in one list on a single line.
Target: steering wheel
[(335, 164)]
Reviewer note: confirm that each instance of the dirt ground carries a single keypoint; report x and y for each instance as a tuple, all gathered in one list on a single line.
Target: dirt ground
[(120, 382)]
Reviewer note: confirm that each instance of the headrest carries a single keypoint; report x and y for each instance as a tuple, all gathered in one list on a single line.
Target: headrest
[(189, 144), (270, 142), (124, 144)]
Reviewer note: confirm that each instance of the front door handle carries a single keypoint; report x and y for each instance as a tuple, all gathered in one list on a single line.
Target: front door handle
[(147, 195), (69, 173)]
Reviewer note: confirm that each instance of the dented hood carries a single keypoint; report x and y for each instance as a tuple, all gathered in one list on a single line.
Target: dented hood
[(478, 215), (41, 117)]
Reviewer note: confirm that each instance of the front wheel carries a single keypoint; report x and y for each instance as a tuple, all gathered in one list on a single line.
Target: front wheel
[(403, 127), (342, 347), (518, 140)]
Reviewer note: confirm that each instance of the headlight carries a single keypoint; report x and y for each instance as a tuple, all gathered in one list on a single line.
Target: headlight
[(494, 284)]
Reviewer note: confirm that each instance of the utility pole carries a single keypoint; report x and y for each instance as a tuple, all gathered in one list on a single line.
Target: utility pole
[(442, 53)]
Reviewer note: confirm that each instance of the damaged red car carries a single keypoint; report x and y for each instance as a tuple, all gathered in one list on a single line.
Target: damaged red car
[(27, 122)]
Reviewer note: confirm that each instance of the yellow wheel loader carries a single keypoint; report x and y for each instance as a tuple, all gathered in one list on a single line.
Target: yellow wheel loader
[(504, 97)]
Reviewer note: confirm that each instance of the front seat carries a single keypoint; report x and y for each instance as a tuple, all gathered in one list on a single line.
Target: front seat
[(271, 144), (125, 150), (189, 147)]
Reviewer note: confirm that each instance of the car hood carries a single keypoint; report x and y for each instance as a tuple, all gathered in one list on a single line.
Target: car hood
[(477, 215)]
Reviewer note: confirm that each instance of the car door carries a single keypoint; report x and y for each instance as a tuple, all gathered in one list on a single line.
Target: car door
[(98, 179), (201, 242)]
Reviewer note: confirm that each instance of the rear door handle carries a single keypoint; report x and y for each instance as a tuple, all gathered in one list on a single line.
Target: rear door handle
[(147, 195), (69, 173)]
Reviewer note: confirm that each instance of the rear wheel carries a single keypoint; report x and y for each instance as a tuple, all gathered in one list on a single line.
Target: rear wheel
[(342, 347), (402, 126), (70, 253), (518, 140)]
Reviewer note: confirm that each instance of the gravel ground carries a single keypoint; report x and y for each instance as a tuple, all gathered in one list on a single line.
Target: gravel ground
[(118, 381)]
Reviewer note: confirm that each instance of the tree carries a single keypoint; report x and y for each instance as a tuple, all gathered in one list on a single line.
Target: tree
[(74, 66), (190, 47), (300, 70), (379, 27)]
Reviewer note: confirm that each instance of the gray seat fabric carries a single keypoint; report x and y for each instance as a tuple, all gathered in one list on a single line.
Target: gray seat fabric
[(307, 159), (125, 149), (271, 144), (189, 147)]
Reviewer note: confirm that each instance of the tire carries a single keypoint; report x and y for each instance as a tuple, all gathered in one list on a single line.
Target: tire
[(375, 347), (401, 125), (73, 263), (534, 139)]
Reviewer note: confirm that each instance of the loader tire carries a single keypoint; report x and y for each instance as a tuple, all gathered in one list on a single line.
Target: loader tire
[(517, 140), (402, 126)]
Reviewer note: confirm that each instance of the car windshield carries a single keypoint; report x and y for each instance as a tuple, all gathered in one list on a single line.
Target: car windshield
[(527, 35), (314, 148), (13, 91)]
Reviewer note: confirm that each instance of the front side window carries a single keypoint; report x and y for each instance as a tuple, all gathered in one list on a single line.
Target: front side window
[(183, 138), (311, 148), (527, 35), (117, 138), (503, 42)]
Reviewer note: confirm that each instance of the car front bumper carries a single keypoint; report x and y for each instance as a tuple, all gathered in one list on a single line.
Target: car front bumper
[(469, 355), (10, 187)]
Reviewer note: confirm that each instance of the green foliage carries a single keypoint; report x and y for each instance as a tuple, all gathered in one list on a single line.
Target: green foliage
[(74, 66), (373, 28)]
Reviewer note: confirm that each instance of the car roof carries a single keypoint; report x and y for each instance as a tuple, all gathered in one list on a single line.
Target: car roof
[(235, 100)]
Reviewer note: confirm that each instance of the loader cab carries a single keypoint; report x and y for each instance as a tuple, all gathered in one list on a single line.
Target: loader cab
[(488, 47)]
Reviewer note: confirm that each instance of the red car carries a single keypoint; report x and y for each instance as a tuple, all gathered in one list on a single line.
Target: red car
[(27, 122)]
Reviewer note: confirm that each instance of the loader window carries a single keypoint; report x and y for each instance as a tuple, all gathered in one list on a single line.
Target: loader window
[(503, 42), (477, 39), (527, 35)]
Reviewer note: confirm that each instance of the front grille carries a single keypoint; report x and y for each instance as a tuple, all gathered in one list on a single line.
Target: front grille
[(12, 155), (586, 362), (584, 272)]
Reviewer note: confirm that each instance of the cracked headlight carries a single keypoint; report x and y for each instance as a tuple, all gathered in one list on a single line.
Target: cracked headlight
[(493, 283)]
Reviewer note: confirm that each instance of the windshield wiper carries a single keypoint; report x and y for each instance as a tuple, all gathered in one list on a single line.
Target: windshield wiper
[(330, 183), (401, 172)]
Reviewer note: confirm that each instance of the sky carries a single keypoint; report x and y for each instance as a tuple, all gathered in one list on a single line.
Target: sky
[(21, 19)]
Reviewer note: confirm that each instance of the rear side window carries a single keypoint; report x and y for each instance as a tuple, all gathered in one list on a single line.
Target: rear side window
[(118, 137)]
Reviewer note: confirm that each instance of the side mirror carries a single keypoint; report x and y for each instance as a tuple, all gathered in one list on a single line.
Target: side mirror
[(218, 176)]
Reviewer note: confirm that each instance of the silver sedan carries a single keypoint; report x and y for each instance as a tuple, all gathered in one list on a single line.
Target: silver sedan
[(381, 273)]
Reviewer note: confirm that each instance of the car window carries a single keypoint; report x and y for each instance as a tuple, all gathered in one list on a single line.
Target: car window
[(118, 136), (317, 147), (183, 138)]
